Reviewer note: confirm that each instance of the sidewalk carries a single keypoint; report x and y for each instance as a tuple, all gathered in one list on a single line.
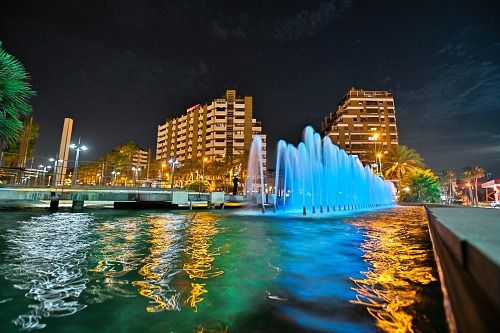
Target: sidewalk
[(467, 246)]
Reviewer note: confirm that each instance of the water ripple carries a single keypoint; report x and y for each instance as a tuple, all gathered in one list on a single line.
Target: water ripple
[(46, 255)]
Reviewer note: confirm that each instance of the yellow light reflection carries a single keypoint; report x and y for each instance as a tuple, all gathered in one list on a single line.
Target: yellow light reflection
[(400, 264), (202, 228), (118, 253), (160, 265)]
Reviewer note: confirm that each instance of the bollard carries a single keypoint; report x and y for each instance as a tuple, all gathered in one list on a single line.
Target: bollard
[(54, 201), (77, 205)]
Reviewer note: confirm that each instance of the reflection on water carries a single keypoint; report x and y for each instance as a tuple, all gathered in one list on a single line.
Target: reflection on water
[(398, 249), (216, 272), (47, 257), (116, 252), (162, 263), (200, 232)]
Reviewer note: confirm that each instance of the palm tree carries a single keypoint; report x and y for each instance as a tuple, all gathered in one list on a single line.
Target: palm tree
[(468, 177), (401, 160), (449, 178), (476, 173), (421, 185), (15, 92)]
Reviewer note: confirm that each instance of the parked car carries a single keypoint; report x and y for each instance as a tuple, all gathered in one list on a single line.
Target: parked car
[(495, 204)]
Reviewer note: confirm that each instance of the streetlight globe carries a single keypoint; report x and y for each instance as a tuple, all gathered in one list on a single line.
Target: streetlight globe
[(83, 148)]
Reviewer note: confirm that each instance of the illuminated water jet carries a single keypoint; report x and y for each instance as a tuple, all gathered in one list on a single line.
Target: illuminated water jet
[(317, 174)]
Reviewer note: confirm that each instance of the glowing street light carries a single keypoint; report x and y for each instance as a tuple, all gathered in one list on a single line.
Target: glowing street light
[(56, 161), (44, 172), (115, 174), (173, 162), (78, 147), (136, 171), (203, 174), (379, 165)]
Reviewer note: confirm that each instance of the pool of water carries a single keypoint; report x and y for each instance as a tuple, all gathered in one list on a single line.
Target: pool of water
[(152, 271)]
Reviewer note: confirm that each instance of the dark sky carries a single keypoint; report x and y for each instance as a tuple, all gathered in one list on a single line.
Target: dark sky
[(120, 68)]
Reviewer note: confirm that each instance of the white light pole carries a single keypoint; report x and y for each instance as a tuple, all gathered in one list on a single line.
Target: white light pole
[(379, 168), (44, 171), (173, 162), (78, 147), (56, 162), (202, 175), (136, 171), (115, 174)]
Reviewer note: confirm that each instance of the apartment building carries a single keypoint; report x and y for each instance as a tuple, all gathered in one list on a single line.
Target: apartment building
[(140, 158), (363, 124), (219, 129)]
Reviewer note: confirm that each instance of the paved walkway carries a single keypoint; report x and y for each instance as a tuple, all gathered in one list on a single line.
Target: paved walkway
[(478, 226), (467, 245)]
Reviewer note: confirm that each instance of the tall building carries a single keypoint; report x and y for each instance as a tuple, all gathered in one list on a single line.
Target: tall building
[(221, 128), (63, 155), (363, 124)]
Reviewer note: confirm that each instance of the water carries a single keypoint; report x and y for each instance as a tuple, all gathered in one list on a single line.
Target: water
[(116, 271), (317, 176)]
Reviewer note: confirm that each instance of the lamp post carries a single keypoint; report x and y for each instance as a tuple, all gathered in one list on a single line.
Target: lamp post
[(379, 165), (374, 138), (202, 174), (78, 147), (44, 171), (115, 174), (173, 162), (136, 171), (54, 173)]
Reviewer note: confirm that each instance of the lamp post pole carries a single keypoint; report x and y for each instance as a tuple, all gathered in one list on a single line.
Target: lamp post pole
[(78, 147), (115, 174), (173, 162), (202, 175), (56, 171), (136, 171), (379, 164), (374, 138)]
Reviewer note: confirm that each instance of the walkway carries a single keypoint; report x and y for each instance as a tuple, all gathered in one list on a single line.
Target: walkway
[(467, 245)]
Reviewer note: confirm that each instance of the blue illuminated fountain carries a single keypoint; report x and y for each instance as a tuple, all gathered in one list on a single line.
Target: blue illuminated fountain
[(317, 176)]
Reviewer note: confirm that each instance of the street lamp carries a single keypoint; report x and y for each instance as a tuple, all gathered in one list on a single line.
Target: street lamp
[(173, 162), (54, 173), (135, 170), (44, 171), (379, 165), (203, 174), (115, 174), (78, 147)]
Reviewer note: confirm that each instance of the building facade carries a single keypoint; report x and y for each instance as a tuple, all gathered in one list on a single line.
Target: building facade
[(363, 124), (140, 159), (220, 129)]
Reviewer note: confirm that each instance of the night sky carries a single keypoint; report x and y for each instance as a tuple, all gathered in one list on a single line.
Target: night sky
[(120, 68)]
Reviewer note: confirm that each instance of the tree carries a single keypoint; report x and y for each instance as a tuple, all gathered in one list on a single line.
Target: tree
[(12, 151), (15, 92), (420, 185), (400, 161), (449, 179), (472, 174)]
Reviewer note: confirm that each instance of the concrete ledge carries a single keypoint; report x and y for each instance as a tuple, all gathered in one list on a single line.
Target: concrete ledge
[(470, 277)]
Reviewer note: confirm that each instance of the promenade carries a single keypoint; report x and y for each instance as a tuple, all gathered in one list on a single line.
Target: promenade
[(467, 248)]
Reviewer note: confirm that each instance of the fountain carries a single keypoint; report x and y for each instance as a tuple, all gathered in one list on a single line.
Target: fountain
[(255, 180), (317, 176)]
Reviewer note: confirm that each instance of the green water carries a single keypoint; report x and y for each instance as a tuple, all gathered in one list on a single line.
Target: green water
[(121, 271)]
